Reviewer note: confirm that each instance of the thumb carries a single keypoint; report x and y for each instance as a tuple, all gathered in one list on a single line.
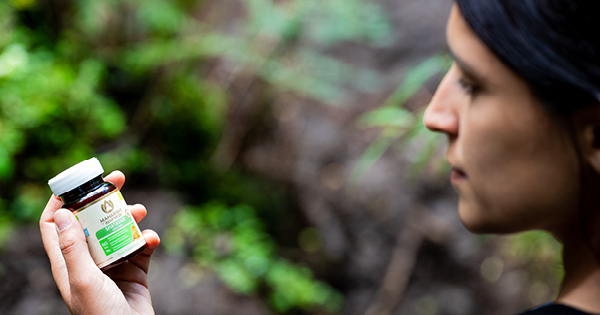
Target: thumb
[(80, 265)]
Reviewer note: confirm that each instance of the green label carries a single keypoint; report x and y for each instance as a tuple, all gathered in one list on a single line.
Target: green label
[(116, 235), (117, 225)]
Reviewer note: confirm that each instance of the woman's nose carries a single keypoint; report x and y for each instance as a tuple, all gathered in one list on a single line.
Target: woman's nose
[(441, 115)]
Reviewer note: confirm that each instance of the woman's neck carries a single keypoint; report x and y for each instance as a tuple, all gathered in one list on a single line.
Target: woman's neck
[(581, 284), (581, 249)]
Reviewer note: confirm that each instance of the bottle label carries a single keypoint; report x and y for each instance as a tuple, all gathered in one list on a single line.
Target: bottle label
[(110, 229)]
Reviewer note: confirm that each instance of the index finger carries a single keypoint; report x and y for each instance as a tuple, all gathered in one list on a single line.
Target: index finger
[(48, 215), (116, 177)]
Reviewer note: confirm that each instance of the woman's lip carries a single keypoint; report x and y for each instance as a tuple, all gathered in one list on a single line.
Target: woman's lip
[(457, 174)]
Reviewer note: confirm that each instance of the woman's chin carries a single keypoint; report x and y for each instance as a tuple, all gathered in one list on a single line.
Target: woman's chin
[(476, 227), (472, 217), (479, 221)]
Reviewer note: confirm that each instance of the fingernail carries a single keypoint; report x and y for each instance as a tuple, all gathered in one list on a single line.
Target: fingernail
[(62, 219)]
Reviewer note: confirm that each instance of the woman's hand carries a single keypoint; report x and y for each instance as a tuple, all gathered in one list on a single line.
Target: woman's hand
[(86, 289)]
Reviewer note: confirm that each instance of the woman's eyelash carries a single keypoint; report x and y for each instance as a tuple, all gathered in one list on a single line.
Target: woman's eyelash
[(469, 88)]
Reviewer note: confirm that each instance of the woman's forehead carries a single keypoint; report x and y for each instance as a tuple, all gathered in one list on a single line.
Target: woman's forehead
[(470, 53)]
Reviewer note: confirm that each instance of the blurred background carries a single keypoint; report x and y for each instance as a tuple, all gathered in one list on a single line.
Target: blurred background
[(277, 145)]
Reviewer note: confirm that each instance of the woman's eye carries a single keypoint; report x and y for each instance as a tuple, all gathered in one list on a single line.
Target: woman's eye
[(466, 86)]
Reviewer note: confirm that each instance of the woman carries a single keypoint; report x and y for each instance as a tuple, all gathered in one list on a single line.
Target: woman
[(520, 111)]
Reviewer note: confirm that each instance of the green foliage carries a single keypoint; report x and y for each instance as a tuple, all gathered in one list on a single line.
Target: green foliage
[(537, 248), (416, 77), (416, 143), (261, 45), (127, 81), (540, 253), (232, 241), (51, 115), (121, 80), (323, 22)]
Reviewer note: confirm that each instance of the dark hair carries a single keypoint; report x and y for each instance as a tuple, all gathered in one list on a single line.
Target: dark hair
[(554, 45)]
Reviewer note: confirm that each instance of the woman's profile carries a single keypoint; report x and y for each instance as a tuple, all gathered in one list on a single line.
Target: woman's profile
[(521, 109)]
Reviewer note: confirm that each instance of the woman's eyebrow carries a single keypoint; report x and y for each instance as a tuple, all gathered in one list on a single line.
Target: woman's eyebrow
[(466, 68)]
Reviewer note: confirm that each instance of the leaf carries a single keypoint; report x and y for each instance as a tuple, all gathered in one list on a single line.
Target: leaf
[(416, 77), (373, 153), (397, 121), (387, 117)]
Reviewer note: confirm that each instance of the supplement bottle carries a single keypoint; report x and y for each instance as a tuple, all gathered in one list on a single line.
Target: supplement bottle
[(111, 232)]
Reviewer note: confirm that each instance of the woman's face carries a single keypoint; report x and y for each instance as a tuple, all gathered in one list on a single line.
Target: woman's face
[(514, 167)]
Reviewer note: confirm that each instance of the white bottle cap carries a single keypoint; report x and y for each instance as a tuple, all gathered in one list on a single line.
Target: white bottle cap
[(75, 175)]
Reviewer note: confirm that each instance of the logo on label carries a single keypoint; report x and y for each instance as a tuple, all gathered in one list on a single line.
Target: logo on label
[(107, 206)]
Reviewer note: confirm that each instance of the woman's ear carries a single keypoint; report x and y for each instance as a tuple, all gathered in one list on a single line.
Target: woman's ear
[(597, 137), (594, 156), (587, 125)]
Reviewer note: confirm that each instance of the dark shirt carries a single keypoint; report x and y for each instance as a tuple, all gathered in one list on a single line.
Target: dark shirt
[(554, 309)]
